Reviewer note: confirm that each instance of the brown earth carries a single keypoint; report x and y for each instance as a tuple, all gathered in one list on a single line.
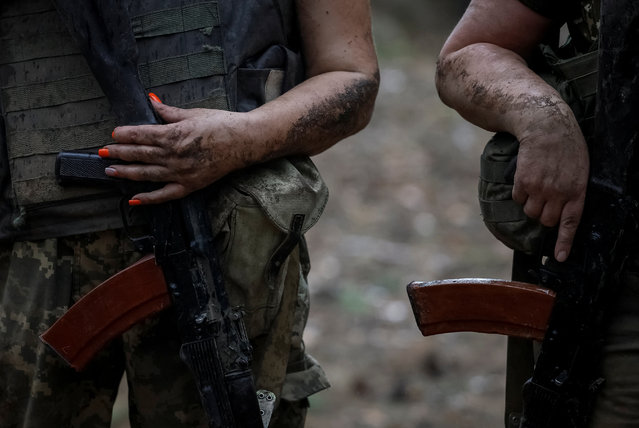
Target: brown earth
[(403, 208)]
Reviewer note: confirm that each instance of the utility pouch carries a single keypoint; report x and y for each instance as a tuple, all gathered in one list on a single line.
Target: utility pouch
[(259, 216), (576, 81)]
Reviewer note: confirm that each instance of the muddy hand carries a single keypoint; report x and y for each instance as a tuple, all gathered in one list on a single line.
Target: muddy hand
[(551, 178), (192, 150)]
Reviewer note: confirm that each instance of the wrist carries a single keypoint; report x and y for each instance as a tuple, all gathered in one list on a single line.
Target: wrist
[(541, 114)]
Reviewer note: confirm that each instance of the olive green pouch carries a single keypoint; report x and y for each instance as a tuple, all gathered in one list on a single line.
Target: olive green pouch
[(259, 217), (504, 217)]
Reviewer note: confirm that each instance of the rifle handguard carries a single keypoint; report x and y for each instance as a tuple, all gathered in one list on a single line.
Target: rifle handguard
[(481, 305), (107, 311)]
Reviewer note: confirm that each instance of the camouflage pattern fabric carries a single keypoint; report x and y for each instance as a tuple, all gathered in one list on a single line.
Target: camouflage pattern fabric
[(37, 389), (40, 280)]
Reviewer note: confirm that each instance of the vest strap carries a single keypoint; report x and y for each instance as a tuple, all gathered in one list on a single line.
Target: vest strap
[(76, 137), (176, 20), (38, 95), (183, 67), (34, 49)]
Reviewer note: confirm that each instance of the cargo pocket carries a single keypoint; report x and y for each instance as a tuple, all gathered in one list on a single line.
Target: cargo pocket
[(251, 241), (272, 206)]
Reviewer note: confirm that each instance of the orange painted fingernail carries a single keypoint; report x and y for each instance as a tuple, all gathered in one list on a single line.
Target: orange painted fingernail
[(155, 97), (103, 153), (113, 134), (134, 202)]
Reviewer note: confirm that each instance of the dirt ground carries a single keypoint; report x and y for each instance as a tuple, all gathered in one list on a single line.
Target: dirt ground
[(403, 208)]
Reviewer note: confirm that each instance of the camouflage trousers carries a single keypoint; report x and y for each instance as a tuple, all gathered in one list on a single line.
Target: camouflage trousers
[(40, 280)]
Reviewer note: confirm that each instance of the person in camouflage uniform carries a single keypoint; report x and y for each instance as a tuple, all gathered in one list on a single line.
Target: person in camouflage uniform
[(484, 73), (48, 261)]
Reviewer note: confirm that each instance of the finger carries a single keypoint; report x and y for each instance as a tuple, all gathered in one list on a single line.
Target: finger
[(570, 217), (139, 134), (155, 173), (551, 214), (519, 195), (171, 191), (134, 153), (533, 208)]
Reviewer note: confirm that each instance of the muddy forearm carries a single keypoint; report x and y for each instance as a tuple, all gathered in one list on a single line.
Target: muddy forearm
[(315, 115), (493, 88)]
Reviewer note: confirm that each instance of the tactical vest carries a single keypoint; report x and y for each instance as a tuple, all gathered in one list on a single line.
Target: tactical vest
[(225, 54)]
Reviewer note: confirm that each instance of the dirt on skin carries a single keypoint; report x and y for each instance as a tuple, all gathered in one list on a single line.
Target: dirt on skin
[(403, 208)]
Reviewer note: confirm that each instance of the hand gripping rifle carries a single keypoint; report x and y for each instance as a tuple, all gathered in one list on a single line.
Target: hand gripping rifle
[(215, 346), (565, 380)]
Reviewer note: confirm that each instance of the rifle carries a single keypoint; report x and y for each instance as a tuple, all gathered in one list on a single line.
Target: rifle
[(215, 346), (564, 382)]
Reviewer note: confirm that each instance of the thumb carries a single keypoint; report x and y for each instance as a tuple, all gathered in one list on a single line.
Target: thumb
[(169, 114)]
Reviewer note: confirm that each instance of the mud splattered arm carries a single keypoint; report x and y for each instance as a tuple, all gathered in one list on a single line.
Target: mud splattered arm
[(199, 146), (337, 98), (482, 73)]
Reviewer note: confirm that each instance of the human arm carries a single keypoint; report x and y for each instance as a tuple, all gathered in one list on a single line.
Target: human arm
[(483, 74), (199, 146)]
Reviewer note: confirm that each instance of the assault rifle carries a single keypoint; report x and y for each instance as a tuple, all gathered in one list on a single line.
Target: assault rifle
[(215, 346), (564, 383), (565, 380)]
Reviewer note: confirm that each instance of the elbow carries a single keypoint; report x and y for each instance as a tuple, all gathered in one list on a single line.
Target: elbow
[(369, 90), (442, 76), (345, 113), (358, 103)]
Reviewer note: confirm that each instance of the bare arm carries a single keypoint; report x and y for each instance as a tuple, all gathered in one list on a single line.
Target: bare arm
[(198, 146), (483, 74)]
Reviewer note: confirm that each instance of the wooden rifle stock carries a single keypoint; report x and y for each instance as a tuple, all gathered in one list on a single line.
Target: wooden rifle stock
[(106, 312), (481, 305)]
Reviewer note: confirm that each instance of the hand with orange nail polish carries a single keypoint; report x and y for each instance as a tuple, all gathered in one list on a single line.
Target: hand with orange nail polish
[(194, 148)]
